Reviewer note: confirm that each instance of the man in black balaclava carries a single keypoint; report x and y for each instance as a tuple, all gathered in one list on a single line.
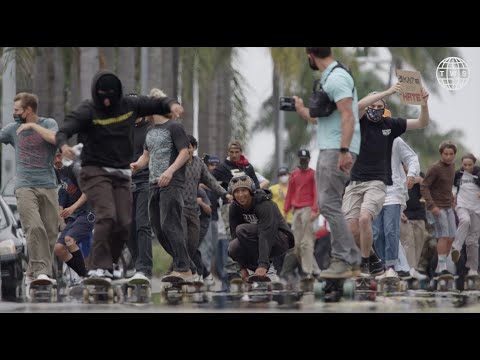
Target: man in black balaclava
[(106, 125)]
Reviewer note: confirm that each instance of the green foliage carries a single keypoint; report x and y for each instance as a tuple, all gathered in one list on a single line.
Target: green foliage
[(161, 260)]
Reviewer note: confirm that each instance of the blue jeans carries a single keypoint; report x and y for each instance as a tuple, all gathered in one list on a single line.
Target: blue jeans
[(386, 233)]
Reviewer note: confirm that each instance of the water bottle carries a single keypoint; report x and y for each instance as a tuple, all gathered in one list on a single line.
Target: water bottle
[(77, 150)]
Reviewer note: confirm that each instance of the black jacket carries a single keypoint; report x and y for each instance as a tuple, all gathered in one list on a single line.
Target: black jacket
[(108, 132), (457, 182), (223, 173), (265, 213)]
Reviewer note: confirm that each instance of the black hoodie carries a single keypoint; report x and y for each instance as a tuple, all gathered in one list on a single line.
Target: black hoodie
[(265, 213), (108, 132)]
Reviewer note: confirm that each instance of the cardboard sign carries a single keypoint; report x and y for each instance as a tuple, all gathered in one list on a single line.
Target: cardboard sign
[(411, 82)]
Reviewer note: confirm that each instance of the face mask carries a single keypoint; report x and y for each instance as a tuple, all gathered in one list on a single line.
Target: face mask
[(312, 64), (18, 118), (375, 115), (283, 179), (111, 95)]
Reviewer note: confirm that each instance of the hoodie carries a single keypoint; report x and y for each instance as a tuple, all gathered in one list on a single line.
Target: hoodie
[(108, 132), (266, 214)]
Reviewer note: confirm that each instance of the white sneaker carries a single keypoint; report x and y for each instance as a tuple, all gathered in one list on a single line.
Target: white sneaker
[(100, 273), (390, 273), (416, 275), (472, 273), (140, 277), (209, 280), (272, 274)]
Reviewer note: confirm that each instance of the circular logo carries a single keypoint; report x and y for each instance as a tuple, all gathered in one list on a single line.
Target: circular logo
[(453, 73)]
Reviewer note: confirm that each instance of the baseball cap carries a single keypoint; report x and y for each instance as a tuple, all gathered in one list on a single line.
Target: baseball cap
[(303, 153)]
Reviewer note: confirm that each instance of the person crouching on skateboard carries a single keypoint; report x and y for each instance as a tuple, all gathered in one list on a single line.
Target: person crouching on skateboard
[(258, 229)]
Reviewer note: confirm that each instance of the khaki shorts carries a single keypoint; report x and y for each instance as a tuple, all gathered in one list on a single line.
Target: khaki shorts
[(368, 196)]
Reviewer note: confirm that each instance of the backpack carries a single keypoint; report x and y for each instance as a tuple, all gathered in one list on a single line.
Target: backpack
[(320, 104)]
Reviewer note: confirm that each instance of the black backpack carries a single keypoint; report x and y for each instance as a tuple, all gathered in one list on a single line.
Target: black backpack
[(320, 104)]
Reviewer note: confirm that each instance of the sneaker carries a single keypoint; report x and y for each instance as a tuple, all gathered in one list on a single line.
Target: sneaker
[(472, 273), (365, 270), (390, 273), (185, 275), (209, 280), (272, 273), (139, 278), (100, 273), (417, 274), (455, 255), (377, 268), (338, 269), (356, 270), (443, 274), (404, 275)]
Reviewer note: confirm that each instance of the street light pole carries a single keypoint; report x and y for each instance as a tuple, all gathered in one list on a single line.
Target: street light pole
[(8, 93)]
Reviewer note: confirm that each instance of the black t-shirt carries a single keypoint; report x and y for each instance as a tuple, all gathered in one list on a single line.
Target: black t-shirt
[(139, 133), (375, 159)]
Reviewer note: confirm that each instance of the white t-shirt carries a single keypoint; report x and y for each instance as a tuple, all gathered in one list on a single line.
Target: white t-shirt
[(468, 195)]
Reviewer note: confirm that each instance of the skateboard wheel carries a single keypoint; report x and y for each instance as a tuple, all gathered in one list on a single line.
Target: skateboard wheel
[(348, 290), (86, 296), (319, 290)]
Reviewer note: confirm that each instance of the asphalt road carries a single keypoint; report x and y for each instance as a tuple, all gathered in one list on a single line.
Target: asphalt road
[(409, 302)]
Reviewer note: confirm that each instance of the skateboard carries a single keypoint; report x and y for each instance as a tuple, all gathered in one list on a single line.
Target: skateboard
[(415, 284), (259, 289), (366, 288), (42, 290), (138, 291), (445, 282), (334, 289), (390, 285), (99, 290), (472, 282), (174, 289)]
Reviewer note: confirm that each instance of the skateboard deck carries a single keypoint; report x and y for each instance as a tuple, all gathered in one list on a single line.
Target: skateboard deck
[(472, 282), (42, 290), (334, 289), (101, 290), (138, 291)]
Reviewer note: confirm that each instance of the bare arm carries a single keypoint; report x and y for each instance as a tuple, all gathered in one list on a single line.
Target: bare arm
[(47, 135), (207, 209), (422, 121), (141, 163), (348, 121), (70, 210), (167, 175), (303, 111), (372, 99)]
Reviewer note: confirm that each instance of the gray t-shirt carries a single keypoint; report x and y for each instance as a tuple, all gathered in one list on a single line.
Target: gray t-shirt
[(33, 155), (164, 142)]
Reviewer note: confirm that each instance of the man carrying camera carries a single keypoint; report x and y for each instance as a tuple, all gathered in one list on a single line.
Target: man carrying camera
[(338, 136)]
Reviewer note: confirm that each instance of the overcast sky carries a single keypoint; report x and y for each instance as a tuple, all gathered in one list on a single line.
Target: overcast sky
[(457, 109)]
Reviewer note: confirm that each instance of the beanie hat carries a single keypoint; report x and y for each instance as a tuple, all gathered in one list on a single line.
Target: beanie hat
[(243, 181)]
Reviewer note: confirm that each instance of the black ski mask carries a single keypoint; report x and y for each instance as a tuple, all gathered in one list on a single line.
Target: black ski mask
[(110, 87)]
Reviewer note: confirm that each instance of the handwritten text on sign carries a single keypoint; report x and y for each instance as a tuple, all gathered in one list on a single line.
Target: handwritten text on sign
[(411, 87)]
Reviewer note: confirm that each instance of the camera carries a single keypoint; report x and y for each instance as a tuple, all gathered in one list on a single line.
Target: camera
[(287, 104)]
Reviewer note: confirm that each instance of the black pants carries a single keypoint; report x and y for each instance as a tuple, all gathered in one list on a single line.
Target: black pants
[(244, 249), (140, 241), (165, 210)]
